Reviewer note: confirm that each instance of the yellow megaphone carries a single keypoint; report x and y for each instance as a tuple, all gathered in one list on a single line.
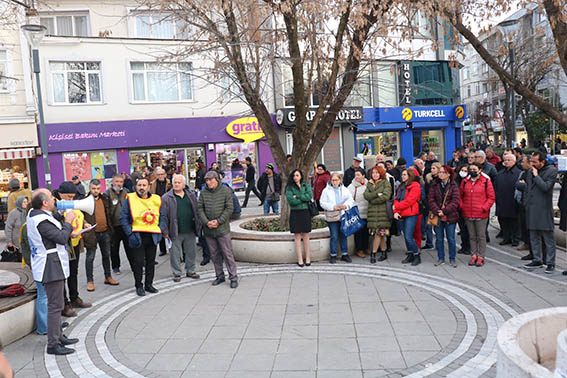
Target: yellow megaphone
[(86, 205)]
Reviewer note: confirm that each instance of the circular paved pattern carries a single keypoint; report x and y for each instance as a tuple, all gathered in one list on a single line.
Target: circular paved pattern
[(467, 347)]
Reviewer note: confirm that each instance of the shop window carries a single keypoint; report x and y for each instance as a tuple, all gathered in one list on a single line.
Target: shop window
[(66, 24), (386, 143), (161, 26), (159, 82), (432, 140), (100, 165), (231, 157), (76, 82)]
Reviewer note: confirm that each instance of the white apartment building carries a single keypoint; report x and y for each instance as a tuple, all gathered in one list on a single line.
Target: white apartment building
[(18, 141)]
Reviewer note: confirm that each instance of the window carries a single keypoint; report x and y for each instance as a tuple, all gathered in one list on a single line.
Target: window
[(426, 73), (76, 82), (4, 81), (314, 98), (484, 68), (156, 82), (65, 25), (484, 88), (360, 94), (475, 68), (469, 91), (466, 73), (477, 88), (230, 86), (161, 26)]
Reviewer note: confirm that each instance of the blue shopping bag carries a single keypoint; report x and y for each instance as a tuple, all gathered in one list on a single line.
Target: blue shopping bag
[(351, 221)]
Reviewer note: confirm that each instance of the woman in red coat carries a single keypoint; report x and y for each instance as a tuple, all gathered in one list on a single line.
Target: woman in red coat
[(322, 177), (406, 211), (477, 197)]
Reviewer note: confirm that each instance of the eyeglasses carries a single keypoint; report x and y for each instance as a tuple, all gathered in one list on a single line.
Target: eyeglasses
[(335, 180)]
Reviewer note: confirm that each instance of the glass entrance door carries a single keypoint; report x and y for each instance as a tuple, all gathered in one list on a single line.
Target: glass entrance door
[(192, 156)]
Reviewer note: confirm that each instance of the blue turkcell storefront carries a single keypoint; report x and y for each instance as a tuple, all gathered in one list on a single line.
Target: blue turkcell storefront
[(405, 131)]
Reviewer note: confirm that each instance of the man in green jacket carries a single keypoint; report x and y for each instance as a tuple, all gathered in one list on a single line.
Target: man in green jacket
[(214, 209)]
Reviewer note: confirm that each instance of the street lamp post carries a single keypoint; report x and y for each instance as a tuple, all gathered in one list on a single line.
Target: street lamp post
[(508, 28), (34, 34)]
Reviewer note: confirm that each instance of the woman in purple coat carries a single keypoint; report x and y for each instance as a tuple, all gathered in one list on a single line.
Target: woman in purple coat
[(444, 202)]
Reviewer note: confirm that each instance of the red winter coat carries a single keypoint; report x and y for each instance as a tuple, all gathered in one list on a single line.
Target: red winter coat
[(319, 184), (410, 204), (477, 197)]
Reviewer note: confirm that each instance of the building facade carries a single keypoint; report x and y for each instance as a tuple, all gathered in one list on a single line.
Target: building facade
[(19, 140)]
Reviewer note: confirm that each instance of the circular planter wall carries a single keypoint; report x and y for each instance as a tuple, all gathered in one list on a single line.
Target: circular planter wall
[(277, 247), (527, 343)]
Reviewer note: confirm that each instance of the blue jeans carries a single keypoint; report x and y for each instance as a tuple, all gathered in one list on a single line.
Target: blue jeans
[(407, 225), (448, 230), (275, 205), (337, 236), (41, 309), (428, 232)]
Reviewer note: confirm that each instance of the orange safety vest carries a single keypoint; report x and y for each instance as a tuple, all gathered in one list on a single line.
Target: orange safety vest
[(145, 213), (78, 224)]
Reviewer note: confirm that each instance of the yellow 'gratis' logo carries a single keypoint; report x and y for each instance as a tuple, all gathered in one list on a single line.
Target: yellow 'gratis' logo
[(407, 114), (459, 112)]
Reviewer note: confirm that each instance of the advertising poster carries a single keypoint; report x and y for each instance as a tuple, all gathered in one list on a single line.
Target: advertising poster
[(77, 165), (98, 172), (227, 179), (237, 179), (366, 146)]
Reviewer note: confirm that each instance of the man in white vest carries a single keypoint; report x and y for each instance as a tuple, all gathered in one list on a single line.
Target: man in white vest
[(50, 263)]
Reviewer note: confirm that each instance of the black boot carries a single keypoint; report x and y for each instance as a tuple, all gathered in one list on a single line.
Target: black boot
[(389, 244), (383, 256), (408, 259), (373, 258), (416, 260)]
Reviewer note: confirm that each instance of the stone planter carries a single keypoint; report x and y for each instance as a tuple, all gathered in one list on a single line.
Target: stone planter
[(528, 344), (277, 247)]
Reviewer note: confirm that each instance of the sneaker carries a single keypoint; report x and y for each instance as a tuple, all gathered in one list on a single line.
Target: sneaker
[(533, 265), (428, 247), (527, 257), (116, 270), (473, 260), (176, 278), (480, 261), (439, 263), (195, 276), (346, 258), (453, 264), (333, 259), (550, 269)]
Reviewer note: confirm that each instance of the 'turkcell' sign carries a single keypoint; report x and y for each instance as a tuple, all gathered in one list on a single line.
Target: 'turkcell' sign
[(247, 128)]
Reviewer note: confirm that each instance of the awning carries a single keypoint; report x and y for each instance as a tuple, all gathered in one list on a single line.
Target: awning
[(17, 153)]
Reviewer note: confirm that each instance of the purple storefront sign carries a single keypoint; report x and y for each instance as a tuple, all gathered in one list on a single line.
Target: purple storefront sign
[(135, 134)]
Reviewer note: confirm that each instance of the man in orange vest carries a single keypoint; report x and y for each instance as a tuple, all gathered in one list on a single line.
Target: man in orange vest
[(141, 219)]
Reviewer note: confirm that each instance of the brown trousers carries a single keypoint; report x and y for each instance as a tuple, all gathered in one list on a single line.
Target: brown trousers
[(221, 249)]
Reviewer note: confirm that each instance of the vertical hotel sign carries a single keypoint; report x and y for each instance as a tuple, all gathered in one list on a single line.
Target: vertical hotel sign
[(404, 83)]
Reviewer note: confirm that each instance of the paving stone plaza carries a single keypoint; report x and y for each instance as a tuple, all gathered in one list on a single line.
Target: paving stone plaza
[(343, 320)]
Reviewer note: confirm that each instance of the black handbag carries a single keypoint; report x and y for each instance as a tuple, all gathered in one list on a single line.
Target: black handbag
[(313, 210)]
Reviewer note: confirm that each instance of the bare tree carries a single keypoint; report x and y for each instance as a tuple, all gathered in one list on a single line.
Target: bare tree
[(465, 15), (322, 43)]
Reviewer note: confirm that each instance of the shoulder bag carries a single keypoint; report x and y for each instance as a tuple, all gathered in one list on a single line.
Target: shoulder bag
[(433, 219)]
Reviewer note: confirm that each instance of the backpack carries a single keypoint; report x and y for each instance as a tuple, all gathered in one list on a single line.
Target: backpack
[(11, 290)]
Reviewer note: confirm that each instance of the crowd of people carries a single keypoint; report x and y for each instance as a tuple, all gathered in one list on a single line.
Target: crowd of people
[(424, 202)]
